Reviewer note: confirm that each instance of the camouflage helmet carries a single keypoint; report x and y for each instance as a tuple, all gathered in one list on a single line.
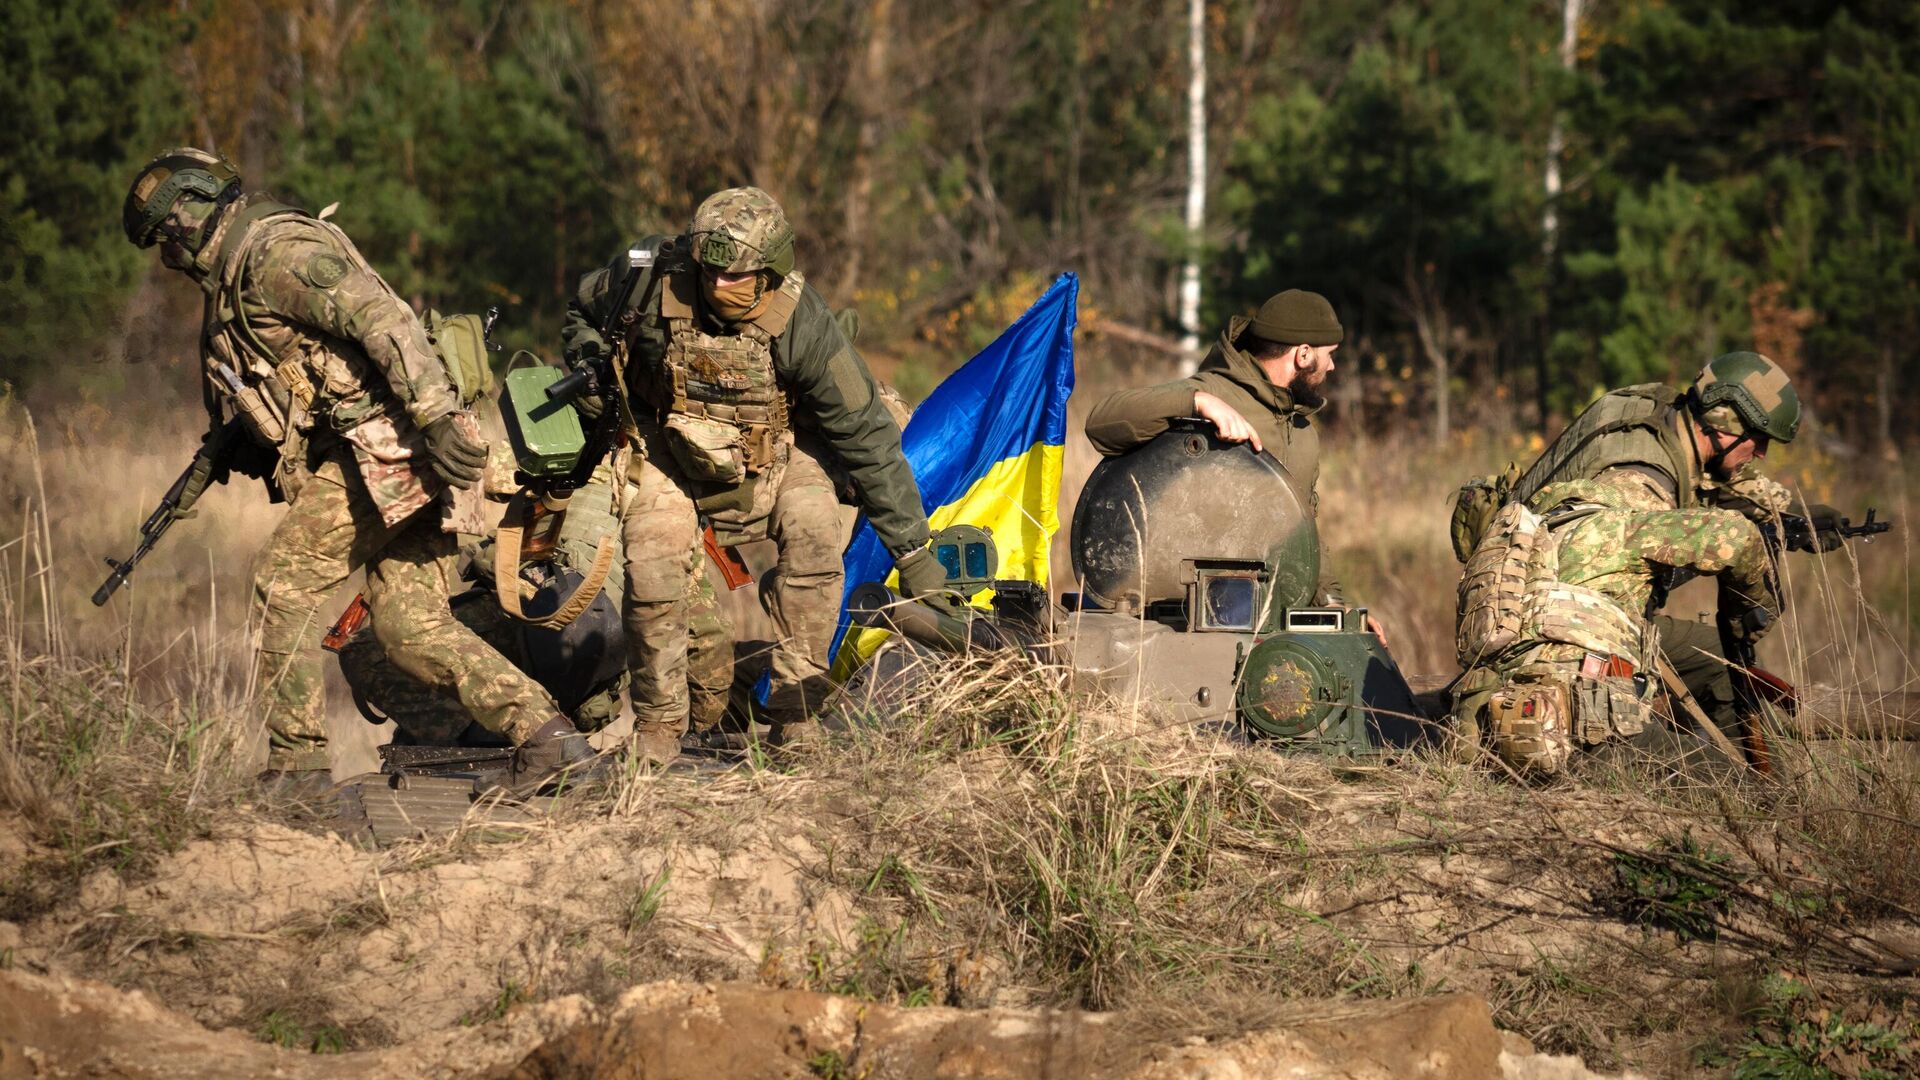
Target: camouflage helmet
[(179, 172), (740, 230), (1747, 390)]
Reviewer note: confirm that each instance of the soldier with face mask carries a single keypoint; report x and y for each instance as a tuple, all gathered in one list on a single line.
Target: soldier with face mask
[(743, 399), (342, 392)]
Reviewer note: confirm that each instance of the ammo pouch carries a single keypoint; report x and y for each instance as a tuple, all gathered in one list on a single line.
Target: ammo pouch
[(1606, 709), (1475, 505), (708, 449), (1513, 550), (460, 341)]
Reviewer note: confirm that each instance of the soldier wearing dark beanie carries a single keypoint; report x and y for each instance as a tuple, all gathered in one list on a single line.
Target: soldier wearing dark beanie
[(1259, 384)]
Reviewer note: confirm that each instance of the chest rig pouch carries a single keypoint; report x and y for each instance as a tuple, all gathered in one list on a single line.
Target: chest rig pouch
[(271, 394), (724, 413)]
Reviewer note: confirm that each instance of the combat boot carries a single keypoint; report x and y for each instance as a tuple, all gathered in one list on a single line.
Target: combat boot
[(556, 751), (654, 744), (294, 785)]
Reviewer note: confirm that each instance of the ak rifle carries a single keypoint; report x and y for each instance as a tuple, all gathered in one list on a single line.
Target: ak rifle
[(596, 376), (213, 456), (1797, 532)]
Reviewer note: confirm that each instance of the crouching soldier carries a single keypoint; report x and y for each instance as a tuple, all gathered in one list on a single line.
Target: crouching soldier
[(1649, 487), (559, 623)]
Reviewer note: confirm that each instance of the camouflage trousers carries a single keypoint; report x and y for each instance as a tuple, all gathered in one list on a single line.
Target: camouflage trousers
[(424, 716), (332, 529), (666, 597)]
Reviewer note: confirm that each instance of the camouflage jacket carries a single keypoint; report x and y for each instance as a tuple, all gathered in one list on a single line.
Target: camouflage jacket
[(1645, 430), (302, 337), (830, 392), (1130, 418), (1630, 548)]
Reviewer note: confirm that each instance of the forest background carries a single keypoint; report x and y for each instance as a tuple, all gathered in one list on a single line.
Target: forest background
[(1512, 205)]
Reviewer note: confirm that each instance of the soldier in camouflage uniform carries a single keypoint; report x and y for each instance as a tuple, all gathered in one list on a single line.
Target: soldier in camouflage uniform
[(331, 372), (1644, 490), (740, 389), (590, 695), (1259, 384)]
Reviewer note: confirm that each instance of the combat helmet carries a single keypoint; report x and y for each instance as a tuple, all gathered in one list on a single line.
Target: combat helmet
[(1754, 390), (740, 230), (178, 173)]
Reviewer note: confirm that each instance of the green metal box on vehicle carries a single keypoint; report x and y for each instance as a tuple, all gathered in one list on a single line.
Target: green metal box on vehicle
[(546, 435)]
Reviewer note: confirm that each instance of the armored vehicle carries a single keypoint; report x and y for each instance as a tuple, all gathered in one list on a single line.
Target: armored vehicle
[(1196, 563)]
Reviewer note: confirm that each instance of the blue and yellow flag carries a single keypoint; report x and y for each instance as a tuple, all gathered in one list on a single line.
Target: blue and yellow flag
[(986, 448)]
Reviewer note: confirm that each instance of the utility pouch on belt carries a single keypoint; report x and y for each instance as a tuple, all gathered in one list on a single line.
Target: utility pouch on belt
[(1605, 709), (707, 449), (1528, 726)]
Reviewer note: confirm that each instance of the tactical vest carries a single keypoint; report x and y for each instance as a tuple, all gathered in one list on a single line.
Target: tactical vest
[(725, 415), (279, 377), (1635, 425), (265, 381)]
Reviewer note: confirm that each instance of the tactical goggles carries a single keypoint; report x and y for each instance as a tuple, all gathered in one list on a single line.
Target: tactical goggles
[(718, 249), (203, 180)]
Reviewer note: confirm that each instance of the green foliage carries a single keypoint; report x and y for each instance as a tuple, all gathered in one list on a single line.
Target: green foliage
[(1684, 887), (1735, 176), (462, 145), (88, 99), (646, 903), (1796, 1036), (287, 1030)]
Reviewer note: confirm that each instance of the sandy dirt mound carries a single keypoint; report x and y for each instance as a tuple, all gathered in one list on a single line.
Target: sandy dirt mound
[(69, 1027)]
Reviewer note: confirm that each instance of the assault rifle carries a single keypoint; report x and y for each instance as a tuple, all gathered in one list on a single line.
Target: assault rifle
[(596, 376), (1797, 532), (213, 457)]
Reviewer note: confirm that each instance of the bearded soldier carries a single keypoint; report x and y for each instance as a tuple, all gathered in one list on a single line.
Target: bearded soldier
[(742, 396), (1647, 488), (334, 376), (1260, 384)]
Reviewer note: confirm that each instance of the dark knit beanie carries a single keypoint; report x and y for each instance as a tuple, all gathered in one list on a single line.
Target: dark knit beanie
[(1298, 317)]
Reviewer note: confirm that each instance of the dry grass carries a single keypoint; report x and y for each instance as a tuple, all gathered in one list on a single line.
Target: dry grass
[(992, 838)]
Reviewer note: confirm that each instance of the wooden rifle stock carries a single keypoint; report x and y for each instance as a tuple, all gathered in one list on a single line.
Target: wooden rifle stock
[(733, 568)]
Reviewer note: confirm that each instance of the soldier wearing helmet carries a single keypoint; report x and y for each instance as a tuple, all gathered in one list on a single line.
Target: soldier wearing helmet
[(356, 423), (1646, 489), (746, 399)]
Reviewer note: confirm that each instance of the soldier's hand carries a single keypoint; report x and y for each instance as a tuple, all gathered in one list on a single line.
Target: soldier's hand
[(923, 578), (1225, 419), (459, 458), (590, 407), (1826, 527), (1375, 628)]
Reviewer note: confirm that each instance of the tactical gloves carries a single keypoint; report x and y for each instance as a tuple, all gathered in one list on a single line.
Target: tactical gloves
[(1826, 527), (197, 481), (209, 467), (457, 457), (587, 344), (923, 578)]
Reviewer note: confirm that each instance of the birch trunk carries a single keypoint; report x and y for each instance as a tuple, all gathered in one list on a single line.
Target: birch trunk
[(1196, 177)]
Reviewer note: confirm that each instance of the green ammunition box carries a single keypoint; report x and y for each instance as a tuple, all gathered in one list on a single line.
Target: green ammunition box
[(546, 435)]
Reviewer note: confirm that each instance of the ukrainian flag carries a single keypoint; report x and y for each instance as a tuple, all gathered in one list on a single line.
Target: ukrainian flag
[(986, 448)]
